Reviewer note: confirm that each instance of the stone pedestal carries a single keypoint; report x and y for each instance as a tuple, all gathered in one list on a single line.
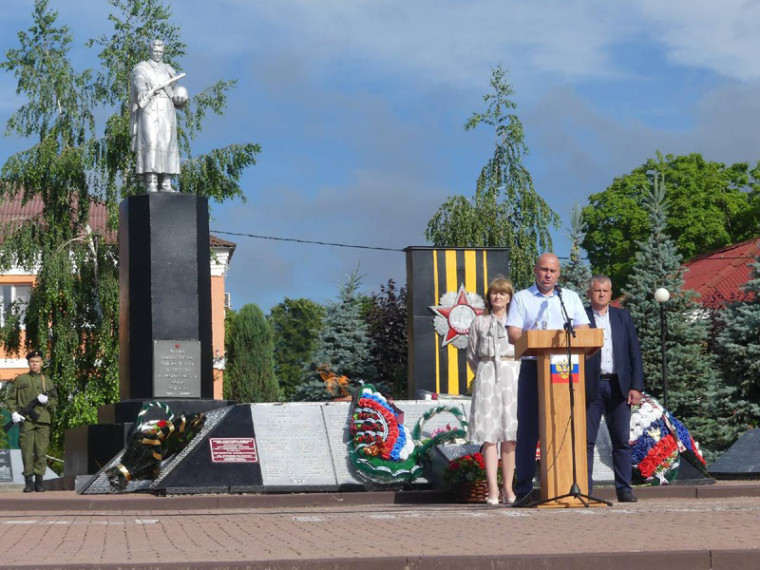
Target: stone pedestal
[(165, 350), (165, 298)]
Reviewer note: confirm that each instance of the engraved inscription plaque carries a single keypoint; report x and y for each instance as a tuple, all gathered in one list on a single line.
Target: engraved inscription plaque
[(233, 450), (176, 368), (292, 445), (6, 469), (451, 451), (336, 422), (603, 472)]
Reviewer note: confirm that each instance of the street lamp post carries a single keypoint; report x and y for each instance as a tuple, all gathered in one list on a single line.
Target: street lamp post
[(661, 296)]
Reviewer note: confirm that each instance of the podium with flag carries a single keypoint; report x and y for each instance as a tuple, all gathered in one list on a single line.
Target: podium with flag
[(554, 373)]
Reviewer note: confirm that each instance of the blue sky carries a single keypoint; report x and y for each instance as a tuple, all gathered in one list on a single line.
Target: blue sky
[(359, 107)]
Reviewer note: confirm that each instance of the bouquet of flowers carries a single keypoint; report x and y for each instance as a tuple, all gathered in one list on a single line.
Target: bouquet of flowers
[(466, 469), (467, 475)]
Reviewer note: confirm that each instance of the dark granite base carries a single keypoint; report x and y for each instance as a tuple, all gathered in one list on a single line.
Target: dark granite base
[(89, 448), (741, 460), (195, 470)]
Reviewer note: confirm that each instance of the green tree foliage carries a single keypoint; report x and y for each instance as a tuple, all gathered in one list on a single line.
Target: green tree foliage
[(576, 273), (344, 342), (739, 356), (72, 313), (249, 349), (710, 205), (387, 329), (296, 324), (506, 210), (693, 387)]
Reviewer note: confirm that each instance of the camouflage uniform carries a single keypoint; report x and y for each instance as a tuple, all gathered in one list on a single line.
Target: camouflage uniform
[(34, 436)]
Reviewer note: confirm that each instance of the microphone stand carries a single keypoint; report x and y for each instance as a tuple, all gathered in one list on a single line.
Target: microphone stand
[(575, 490)]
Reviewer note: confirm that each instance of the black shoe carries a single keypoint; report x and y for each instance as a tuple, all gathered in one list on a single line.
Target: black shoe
[(38, 484), (522, 501), (28, 484), (627, 497)]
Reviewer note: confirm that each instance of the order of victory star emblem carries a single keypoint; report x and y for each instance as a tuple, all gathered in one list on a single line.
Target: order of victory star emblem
[(454, 315)]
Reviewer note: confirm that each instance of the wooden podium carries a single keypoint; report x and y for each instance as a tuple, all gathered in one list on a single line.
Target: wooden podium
[(550, 348)]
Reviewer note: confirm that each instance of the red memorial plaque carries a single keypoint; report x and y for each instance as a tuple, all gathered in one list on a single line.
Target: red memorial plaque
[(233, 450)]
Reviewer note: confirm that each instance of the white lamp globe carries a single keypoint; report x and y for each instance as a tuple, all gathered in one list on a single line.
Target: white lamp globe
[(662, 295)]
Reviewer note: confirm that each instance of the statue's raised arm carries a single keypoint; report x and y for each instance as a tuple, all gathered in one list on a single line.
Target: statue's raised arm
[(153, 96)]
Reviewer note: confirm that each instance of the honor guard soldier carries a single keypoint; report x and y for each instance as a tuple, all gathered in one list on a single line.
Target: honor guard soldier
[(31, 398)]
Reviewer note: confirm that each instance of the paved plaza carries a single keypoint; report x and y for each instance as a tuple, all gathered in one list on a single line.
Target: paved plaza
[(698, 527)]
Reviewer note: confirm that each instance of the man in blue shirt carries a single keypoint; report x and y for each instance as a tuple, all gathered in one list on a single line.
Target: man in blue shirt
[(537, 307)]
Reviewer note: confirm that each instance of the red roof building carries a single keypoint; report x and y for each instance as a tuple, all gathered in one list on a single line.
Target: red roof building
[(718, 276)]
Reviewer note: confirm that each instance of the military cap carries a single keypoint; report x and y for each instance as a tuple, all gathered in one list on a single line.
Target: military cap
[(33, 354)]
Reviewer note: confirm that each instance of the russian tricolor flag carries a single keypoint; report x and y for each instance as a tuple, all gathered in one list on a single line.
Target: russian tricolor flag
[(560, 371)]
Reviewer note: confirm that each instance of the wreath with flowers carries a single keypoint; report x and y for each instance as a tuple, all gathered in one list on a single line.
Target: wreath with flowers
[(153, 441), (381, 448), (658, 443)]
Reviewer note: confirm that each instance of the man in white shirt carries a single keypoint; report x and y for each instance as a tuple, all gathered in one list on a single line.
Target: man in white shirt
[(537, 307)]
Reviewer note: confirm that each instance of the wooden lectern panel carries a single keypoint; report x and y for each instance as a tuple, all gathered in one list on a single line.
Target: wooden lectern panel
[(535, 343), (554, 409)]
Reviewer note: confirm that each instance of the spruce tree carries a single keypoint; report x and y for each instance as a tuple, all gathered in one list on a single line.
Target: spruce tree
[(344, 341), (692, 382), (576, 273), (739, 351), (249, 352)]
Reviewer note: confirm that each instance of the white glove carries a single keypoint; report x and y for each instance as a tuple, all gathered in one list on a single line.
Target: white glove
[(42, 399), (16, 417)]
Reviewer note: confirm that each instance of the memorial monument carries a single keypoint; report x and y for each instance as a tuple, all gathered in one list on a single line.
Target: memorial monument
[(166, 354), (165, 349), (165, 345)]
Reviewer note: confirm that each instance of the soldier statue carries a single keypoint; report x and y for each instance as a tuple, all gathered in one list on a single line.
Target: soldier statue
[(153, 96)]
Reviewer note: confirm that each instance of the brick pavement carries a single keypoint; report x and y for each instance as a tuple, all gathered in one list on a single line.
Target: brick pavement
[(710, 527)]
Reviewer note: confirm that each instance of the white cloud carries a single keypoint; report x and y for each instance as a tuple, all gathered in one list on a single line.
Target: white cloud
[(728, 123), (359, 107), (719, 36), (438, 42)]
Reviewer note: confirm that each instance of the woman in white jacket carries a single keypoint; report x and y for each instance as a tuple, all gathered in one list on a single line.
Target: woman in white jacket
[(493, 412)]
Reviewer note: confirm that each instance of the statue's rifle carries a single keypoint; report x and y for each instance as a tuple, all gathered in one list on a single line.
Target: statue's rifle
[(158, 88)]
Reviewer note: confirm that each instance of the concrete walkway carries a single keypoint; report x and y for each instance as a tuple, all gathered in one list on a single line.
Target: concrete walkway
[(691, 527)]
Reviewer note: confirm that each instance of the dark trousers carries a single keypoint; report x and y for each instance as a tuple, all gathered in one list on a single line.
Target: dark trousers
[(611, 403), (527, 427)]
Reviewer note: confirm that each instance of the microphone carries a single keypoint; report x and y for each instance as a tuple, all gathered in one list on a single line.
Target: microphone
[(568, 321)]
